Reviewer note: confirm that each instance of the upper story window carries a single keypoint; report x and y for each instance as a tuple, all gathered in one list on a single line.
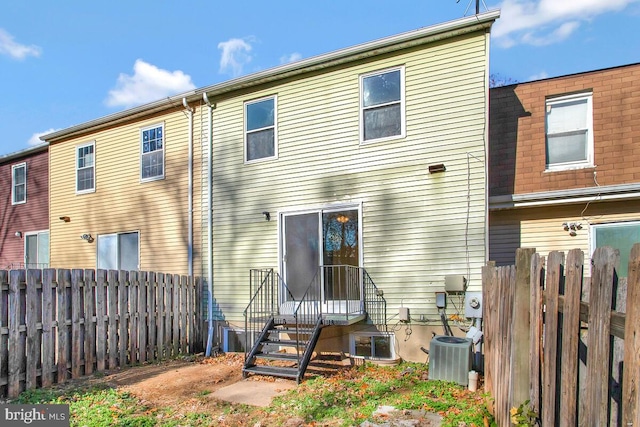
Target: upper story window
[(85, 168), (382, 105), (260, 137), (569, 132), (152, 153), (19, 183)]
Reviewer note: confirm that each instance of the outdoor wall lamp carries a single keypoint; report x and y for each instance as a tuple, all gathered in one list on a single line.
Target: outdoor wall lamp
[(437, 168), (18, 234), (87, 237), (267, 215), (65, 218)]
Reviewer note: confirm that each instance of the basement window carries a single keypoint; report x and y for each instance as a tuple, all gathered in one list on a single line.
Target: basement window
[(372, 345)]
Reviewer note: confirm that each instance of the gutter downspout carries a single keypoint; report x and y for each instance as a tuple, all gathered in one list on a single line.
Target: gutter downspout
[(209, 224), (190, 190)]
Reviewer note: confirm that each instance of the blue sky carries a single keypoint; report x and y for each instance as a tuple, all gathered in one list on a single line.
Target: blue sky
[(67, 62)]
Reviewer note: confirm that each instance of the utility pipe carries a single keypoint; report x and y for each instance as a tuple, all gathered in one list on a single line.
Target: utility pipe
[(190, 190), (209, 223)]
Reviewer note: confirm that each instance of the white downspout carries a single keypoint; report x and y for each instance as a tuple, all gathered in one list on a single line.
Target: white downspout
[(190, 190), (209, 224)]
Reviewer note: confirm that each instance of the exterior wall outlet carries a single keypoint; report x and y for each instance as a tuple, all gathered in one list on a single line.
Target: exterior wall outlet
[(404, 314)]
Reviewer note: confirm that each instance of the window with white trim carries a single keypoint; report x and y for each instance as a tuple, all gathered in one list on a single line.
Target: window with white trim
[(19, 183), (152, 153), (382, 105), (36, 249), (618, 235), (260, 137), (85, 168), (118, 251), (569, 132), (372, 345)]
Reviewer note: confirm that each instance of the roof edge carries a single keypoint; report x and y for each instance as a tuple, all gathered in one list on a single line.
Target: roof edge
[(455, 27), (24, 152)]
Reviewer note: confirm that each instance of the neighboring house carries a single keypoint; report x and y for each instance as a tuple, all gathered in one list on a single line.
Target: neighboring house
[(564, 166), (24, 211), (354, 177), (121, 191)]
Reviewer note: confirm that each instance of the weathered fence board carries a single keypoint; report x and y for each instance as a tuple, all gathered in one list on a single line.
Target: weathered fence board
[(57, 324), (563, 391), (631, 370)]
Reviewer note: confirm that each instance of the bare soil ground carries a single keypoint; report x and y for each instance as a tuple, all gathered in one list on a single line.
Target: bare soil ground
[(186, 386)]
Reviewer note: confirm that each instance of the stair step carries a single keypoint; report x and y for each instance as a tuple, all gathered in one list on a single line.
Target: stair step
[(292, 330), (272, 371), (286, 343), (278, 356)]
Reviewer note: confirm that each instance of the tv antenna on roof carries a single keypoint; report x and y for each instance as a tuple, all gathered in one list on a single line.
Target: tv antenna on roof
[(477, 6)]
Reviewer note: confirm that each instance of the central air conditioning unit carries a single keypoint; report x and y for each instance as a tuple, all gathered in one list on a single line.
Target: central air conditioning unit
[(450, 359)]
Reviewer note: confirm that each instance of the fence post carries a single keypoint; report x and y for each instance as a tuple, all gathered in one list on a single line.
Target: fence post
[(599, 340), (15, 344), (631, 374), (33, 340), (48, 358), (571, 337), (535, 335), (555, 263), (520, 379), (64, 279)]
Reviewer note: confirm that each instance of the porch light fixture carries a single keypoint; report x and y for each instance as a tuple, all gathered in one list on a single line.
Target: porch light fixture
[(437, 168), (267, 215), (18, 234), (65, 218), (87, 237)]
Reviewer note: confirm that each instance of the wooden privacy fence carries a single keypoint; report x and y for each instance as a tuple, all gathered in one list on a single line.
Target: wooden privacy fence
[(61, 324), (562, 341)]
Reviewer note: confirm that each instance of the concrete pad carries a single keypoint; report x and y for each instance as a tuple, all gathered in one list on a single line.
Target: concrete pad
[(256, 393)]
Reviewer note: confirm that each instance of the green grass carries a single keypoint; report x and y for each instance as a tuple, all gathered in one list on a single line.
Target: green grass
[(345, 399)]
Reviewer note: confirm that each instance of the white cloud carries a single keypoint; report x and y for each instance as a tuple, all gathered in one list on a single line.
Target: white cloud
[(16, 50), (148, 83), (293, 57), (542, 22), (541, 75), (235, 55), (35, 138)]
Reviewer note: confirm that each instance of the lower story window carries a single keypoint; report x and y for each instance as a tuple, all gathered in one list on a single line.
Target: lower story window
[(118, 251), (36, 249), (619, 235), (372, 345)]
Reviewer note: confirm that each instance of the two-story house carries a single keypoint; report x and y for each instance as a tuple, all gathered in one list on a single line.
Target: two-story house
[(337, 186), (24, 211), (564, 168), (121, 191)]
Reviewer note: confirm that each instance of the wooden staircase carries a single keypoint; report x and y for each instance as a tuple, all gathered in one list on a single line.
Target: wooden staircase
[(283, 349)]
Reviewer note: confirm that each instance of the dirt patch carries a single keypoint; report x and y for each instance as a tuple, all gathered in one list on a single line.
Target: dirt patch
[(178, 383)]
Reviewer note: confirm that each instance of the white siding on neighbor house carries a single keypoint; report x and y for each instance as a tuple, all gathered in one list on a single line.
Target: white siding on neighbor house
[(542, 228), (416, 227)]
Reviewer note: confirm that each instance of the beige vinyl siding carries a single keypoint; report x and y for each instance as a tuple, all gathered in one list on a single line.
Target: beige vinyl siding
[(416, 227), (121, 202), (542, 229)]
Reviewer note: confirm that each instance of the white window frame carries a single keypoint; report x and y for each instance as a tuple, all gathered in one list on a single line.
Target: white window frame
[(588, 162), (15, 167), (117, 246), (371, 335), (274, 126), (38, 235), (402, 102), (93, 166), (143, 154)]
